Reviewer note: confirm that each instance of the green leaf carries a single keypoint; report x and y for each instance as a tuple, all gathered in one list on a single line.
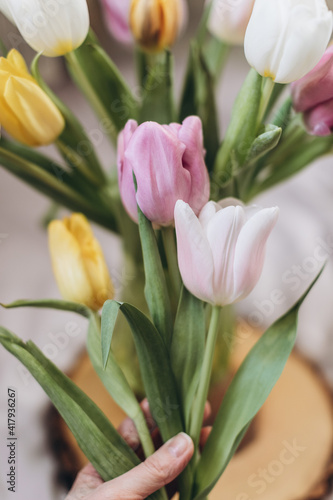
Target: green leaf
[(54, 183), (115, 381), (103, 85), (264, 143), (73, 139), (109, 315), (248, 391), (155, 369), (199, 99), (61, 305), (187, 348), (157, 100), (242, 130), (156, 291), (96, 436)]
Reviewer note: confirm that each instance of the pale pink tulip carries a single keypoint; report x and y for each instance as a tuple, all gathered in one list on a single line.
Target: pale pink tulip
[(169, 165), (313, 96), (221, 252), (117, 19)]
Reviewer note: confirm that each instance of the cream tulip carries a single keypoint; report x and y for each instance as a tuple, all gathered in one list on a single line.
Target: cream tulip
[(78, 262), (228, 20), (285, 39), (53, 28)]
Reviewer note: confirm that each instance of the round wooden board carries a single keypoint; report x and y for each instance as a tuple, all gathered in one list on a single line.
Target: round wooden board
[(290, 455)]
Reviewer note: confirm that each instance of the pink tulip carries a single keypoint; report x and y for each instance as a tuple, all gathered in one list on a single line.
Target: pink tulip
[(221, 252), (117, 18), (168, 163), (313, 96)]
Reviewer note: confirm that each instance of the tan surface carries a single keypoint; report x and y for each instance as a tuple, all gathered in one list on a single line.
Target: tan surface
[(298, 412)]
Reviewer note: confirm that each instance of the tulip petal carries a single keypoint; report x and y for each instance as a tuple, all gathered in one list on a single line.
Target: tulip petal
[(125, 174), (51, 27), (155, 155), (222, 233), (34, 109), (93, 259), (194, 254), (250, 251), (319, 120), (228, 21), (4, 8), (117, 17), (68, 265), (317, 86), (190, 133)]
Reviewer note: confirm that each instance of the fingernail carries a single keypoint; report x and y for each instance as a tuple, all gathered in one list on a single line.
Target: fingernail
[(179, 444)]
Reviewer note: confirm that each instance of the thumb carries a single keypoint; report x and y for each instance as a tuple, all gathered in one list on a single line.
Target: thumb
[(157, 471)]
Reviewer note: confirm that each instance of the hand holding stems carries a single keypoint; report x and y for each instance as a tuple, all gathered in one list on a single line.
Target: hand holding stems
[(158, 470)]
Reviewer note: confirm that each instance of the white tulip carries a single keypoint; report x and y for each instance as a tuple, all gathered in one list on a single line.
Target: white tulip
[(285, 39), (6, 11), (221, 252), (228, 20), (53, 27)]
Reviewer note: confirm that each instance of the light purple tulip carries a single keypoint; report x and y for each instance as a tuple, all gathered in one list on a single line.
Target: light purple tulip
[(313, 96), (221, 252), (169, 165), (117, 18)]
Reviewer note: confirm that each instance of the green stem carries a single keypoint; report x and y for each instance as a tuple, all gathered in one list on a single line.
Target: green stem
[(201, 398), (170, 248), (268, 87), (89, 92)]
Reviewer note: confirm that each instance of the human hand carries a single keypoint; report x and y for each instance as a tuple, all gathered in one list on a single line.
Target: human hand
[(155, 472)]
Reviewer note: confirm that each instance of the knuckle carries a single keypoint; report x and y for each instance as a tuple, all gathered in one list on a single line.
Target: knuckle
[(154, 468)]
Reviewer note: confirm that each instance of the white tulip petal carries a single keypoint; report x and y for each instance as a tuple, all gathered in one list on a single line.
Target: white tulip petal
[(4, 8), (250, 251), (285, 39), (222, 233), (194, 254), (53, 28)]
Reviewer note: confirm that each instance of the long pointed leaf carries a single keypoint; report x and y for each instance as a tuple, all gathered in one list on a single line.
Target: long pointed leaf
[(155, 369), (156, 290), (116, 384), (188, 347), (61, 305), (96, 436), (247, 393)]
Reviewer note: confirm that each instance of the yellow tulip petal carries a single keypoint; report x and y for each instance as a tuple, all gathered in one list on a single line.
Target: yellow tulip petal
[(93, 258), (15, 59), (68, 266), (34, 109), (13, 126)]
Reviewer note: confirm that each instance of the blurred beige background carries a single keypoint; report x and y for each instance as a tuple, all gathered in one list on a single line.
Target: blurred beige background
[(306, 221)]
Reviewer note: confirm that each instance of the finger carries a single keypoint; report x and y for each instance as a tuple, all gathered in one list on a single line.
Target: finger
[(205, 432), (87, 481), (128, 430), (157, 471)]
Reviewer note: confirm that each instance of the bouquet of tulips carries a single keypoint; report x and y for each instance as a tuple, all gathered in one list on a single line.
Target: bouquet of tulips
[(179, 199)]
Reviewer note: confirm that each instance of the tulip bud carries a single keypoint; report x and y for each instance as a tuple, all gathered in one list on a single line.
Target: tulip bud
[(53, 28), (228, 20), (156, 24), (221, 252), (285, 39), (313, 96), (168, 163), (117, 14), (78, 262), (26, 112)]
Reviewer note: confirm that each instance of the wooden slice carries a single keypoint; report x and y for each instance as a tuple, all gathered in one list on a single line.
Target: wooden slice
[(289, 453)]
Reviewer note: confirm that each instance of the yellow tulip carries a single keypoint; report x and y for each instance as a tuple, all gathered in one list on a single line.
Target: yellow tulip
[(78, 262), (155, 24), (26, 112)]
